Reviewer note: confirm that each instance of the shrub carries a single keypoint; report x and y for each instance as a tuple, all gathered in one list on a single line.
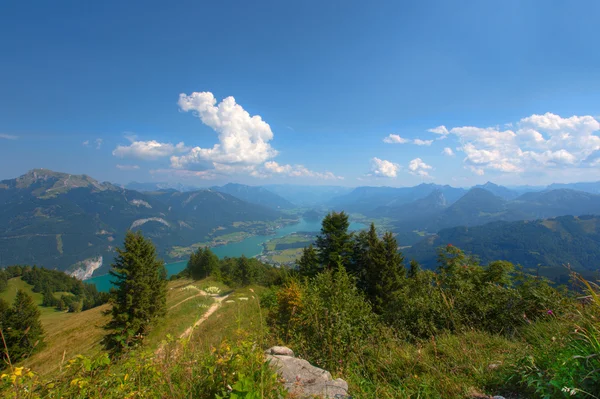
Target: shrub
[(326, 319)]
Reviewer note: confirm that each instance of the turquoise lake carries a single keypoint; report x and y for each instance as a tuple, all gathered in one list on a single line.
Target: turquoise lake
[(249, 247)]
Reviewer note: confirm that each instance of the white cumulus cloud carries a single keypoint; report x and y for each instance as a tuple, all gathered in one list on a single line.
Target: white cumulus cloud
[(243, 139), (383, 168), (439, 130), (395, 139), (535, 143), (148, 150), (418, 167), (422, 142), (448, 151), (273, 167)]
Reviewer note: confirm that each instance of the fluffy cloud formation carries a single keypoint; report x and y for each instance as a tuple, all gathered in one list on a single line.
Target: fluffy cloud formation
[(7, 136), (243, 139), (127, 167), (273, 167), (395, 139), (448, 151), (422, 142), (536, 143), (383, 168), (243, 146), (419, 168), (148, 150), (439, 130)]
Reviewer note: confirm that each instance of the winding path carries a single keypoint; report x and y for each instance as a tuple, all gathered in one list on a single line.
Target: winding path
[(212, 309), (200, 293)]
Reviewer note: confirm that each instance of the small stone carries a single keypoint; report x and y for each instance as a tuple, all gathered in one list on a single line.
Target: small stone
[(498, 397), (281, 351)]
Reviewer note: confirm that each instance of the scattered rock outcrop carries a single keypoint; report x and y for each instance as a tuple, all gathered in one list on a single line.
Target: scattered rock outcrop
[(302, 379), (85, 269)]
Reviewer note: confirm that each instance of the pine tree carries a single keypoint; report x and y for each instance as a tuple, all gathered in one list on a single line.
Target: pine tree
[(392, 275), (140, 294), (210, 263), (48, 300), (245, 273), (414, 270), (367, 261), (22, 328), (335, 242), (308, 264)]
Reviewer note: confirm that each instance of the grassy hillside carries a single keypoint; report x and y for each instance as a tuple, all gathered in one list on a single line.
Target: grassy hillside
[(71, 334)]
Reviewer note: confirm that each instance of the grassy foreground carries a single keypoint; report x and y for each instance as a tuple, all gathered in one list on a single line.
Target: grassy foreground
[(70, 334)]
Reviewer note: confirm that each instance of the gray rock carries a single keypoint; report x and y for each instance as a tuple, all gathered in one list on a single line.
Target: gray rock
[(498, 397), (280, 350), (306, 381)]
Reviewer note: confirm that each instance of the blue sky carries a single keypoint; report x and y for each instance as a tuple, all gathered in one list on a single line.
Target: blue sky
[(323, 92)]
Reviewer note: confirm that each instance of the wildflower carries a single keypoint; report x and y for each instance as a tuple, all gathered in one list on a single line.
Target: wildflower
[(570, 391), (550, 312)]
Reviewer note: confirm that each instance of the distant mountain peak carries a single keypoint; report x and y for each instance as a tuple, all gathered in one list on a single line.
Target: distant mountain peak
[(48, 183)]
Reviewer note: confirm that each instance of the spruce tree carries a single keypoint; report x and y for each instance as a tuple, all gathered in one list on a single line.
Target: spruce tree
[(245, 273), (22, 328), (392, 275), (210, 263), (308, 264), (414, 270), (140, 294), (335, 242), (48, 300)]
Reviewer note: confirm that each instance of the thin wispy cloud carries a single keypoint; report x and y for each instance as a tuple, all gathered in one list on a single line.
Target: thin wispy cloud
[(8, 136), (127, 167)]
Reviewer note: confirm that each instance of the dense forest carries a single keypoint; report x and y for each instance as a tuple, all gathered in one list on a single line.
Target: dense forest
[(75, 295), (548, 245)]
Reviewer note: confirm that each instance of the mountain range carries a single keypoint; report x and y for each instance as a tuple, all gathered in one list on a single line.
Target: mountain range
[(548, 243), (74, 222), (58, 220)]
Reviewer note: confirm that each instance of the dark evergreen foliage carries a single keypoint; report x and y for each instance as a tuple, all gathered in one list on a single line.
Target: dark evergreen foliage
[(140, 294), (335, 242), (202, 264), (21, 328), (48, 282), (308, 264)]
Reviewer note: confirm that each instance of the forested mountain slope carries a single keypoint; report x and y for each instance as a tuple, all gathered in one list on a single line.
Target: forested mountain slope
[(255, 195), (550, 242), (57, 220)]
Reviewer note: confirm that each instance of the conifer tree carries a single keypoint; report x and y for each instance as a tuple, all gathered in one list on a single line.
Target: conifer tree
[(140, 296), (22, 328), (308, 264), (335, 242), (202, 264), (392, 276), (48, 299), (245, 272), (414, 269), (210, 263)]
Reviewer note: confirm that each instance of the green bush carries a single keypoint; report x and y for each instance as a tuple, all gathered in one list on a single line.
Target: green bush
[(325, 319)]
